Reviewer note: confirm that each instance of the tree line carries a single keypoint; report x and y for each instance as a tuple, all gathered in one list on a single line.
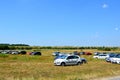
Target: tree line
[(11, 46), (27, 47)]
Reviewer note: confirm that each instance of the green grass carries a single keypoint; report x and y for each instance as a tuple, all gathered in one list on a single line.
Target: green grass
[(3, 55), (27, 67)]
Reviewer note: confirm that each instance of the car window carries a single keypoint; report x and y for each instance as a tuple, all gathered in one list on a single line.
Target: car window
[(61, 57), (70, 57), (103, 55), (112, 55), (76, 57), (118, 56)]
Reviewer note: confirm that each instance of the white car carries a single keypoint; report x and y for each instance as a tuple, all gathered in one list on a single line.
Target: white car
[(116, 59), (112, 55), (68, 60), (101, 56)]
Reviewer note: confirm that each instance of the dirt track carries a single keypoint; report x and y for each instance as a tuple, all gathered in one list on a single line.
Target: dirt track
[(110, 78)]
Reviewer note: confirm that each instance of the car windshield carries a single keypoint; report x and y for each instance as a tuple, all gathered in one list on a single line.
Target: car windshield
[(118, 56), (61, 57), (102, 54), (112, 55)]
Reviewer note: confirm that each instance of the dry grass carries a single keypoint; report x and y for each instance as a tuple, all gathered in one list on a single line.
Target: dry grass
[(25, 67)]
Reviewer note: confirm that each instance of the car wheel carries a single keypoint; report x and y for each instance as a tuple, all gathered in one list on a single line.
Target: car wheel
[(82, 62), (62, 64), (78, 63), (85, 61)]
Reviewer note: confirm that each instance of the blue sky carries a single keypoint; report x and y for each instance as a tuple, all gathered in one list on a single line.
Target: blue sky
[(60, 22)]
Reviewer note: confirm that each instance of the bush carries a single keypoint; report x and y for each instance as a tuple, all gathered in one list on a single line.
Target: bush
[(104, 48)]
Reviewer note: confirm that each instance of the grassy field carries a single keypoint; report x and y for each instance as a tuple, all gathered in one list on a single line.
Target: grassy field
[(26, 67)]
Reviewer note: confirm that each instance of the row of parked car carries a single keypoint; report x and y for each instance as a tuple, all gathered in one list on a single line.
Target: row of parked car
[(74, 59), (109, 57), (12, 52), (19, 52), (74, 53)]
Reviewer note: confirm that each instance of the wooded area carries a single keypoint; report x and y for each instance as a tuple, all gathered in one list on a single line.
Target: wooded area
[(28, 47)]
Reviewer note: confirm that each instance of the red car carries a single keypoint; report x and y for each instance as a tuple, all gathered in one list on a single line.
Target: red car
[(88, 53)]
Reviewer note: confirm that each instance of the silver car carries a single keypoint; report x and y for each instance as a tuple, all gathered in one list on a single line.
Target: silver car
[(68, 60), (101, 56), (116, 59)]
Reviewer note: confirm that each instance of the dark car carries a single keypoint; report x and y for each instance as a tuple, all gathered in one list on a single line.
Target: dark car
[(36, 53), (76, 53), (83, 60), (22, 52)]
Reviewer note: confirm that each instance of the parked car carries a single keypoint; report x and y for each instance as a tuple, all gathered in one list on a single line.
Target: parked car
[(76, 53), (36, 53), (83, 60), (97, 53), (22, 52), (88, 53), (101, 56), (111, 55), (68, 60), (56, 53), (1, 51), (116, 59), (82, 53), (85, 53), (14, 52), (5, 51)]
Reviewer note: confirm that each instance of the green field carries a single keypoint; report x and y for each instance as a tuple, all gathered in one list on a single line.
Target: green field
[(27, 67)]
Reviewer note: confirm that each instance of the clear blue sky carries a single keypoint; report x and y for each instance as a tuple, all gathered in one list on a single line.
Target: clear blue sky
[(60, 22)]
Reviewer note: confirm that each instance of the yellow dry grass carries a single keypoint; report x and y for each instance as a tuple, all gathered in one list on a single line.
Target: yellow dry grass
[(26, 67)]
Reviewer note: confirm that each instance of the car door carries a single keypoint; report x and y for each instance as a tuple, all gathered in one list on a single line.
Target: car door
[(75, 59), (118, 59), (103, 56), (69, 60)]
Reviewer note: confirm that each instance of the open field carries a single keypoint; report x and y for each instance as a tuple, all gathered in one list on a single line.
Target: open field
[(27, 67)]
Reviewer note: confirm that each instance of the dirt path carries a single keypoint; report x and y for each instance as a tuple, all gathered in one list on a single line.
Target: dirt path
[(110, 78)]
